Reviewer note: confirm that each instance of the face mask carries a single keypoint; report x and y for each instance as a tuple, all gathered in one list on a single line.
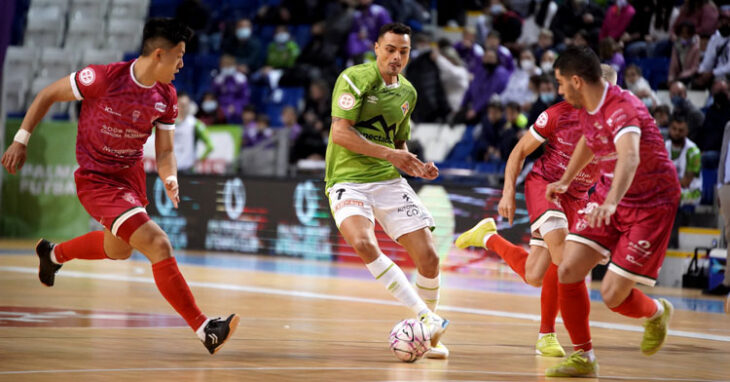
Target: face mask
[(281, 37), (496, 9), (489, 66), (209, 106), (243, 33), (724, 30), (527, 65), (677, 100), (546, 66), (227, 71), (647, 102), (547, 98)]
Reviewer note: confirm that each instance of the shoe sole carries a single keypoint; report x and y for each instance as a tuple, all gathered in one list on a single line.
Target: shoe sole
[(661, 345), (233, 325), (431, 355), (39, 264), (476, 227), (541, 354), (435, 339)]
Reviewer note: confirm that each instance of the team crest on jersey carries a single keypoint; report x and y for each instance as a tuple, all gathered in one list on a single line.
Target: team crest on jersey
[(129, 198), (542, 119), (135, 115), (346, 101), (87, 76), (159, 106), (404, 108)]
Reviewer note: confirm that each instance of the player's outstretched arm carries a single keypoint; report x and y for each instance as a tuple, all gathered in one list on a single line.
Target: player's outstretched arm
[(344, 134), (166, 163), (59, 91), (526, 146), (582, 155)]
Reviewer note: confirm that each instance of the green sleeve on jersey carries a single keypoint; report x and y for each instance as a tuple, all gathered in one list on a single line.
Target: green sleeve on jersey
[(347, 95), (403, 133), (694, 160)]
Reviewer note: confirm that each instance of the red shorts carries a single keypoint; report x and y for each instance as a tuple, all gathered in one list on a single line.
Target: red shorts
[(635, 241), (116, 201), (539, 209)]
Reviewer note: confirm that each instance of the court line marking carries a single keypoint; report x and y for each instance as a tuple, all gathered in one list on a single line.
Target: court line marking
[(314, 368), (324, 296)]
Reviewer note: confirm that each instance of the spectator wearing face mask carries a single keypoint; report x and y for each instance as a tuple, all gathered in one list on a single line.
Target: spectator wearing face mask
[(210, 113), (546, 61), (681, 105), (618, 18), (231, 88), (716, 62), (634, 78), (366, 24), (518, 86), (489, 79), (494, 41), (547, 96), (244, 46), (544, 43), (685, 55), (647, 96), (454, 75), (282, 53)]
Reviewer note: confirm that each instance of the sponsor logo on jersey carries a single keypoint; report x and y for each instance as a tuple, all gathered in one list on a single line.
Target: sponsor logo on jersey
[(135, 115), (641, 247), (129, 198), (134, 134), (348, 202), (372, 99), (111, 111), (87, 76), (542, 119), (346, 101), (404, 108), (161, 107)]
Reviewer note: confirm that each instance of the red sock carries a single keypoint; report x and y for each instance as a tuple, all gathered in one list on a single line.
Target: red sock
[(515, 256), (173, 287), (636, 305), (87, 247), (549, 300), (575, 306)]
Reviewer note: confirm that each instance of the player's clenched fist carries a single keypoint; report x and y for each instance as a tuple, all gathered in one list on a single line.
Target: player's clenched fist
[(507, 207), (14, 157), (172, 189), (553, 189)]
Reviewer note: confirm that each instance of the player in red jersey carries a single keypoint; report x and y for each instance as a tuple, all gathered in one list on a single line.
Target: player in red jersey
[(549, 221), (122, 102), (629, 216)]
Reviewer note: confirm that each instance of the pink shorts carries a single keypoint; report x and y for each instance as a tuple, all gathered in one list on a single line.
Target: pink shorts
[(116, 201), (540, 209), (635, 241)]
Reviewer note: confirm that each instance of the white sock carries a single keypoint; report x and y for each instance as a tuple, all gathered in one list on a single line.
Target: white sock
[(486, 239), (200, 332), (428, 290), (659, 309), (53, 256), (589, 355), (395, 281)]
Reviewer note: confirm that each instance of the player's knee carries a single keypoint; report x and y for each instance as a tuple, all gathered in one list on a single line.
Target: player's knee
[(123, 254), (533, 278), (365, 246), (611, 296), (161, 246), (565, 274), (429, 266)]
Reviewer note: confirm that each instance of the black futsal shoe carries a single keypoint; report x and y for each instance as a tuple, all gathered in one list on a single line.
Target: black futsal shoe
[(46, 268), (218, 331)]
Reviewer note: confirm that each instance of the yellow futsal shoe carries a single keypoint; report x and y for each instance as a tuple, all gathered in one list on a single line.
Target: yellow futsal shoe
[(548, 346), (438, 352), (475, 236), (577, 365), (655, 331)]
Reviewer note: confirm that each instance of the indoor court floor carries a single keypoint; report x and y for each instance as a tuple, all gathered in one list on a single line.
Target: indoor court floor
[(312, 321)]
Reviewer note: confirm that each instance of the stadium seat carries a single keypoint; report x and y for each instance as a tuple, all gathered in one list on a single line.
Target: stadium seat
[(88, 9), (129, 9), (709, 180), (36, 86), (20, 62), (124, 34), (84, 34), (44, 32), (100, 57), (49, 9), (56, 63), (16, 90)]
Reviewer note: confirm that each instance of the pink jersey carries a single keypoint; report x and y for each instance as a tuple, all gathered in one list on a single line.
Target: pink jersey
[(620, 112), (117, 115), (558, 125)]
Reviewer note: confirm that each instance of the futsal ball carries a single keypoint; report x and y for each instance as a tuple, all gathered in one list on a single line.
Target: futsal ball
[(409, 340)]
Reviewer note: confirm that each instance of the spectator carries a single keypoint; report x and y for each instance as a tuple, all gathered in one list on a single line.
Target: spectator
[(661, 115), (716, 62), (709, 138), (647, 96), (339, 17), (723, 200), (541, 14), (650, 36), (366, 23), (423, 73), (518, 86), (618, 18), (489, 79), (188, 131), (289, 120), (506, 22), (291, 12), (694, 117), (504, 55), (486, 147), (282, 53), (259, 133), (634, 78), (580, 39), (574, 15), (547, 97), (248, 118), (469, 50), (317, 60), (611, 54), (317, 106), (544, 43), (454, 75), (245, 47), (703, 14), (546, 61), (210, 112), (638, 28), (685, 54), (231, 89), (686, 157), (409, 12), (515, 118)]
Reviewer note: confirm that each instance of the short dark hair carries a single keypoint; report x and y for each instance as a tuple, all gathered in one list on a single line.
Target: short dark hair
[(164, 32), (397, 28), (579, 61), (678, 117)]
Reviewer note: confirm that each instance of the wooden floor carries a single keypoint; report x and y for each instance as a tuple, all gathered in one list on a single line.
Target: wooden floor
[(105, 321)]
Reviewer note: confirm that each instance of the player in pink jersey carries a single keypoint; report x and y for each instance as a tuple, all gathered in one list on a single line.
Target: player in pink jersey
[(122, 102), (629, 216), (549, 221)]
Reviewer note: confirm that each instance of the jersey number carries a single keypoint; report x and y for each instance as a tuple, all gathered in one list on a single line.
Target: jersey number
[(339, 193)]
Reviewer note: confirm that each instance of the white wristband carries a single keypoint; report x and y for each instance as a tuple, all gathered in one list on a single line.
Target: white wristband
[(22, 137), (171, 178)]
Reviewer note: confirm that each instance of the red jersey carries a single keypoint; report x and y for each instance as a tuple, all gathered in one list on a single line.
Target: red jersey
[(559, 126), (117, 115), (620, 112)]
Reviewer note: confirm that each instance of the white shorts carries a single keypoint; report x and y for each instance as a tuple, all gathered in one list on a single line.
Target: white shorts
[(392, 202)]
